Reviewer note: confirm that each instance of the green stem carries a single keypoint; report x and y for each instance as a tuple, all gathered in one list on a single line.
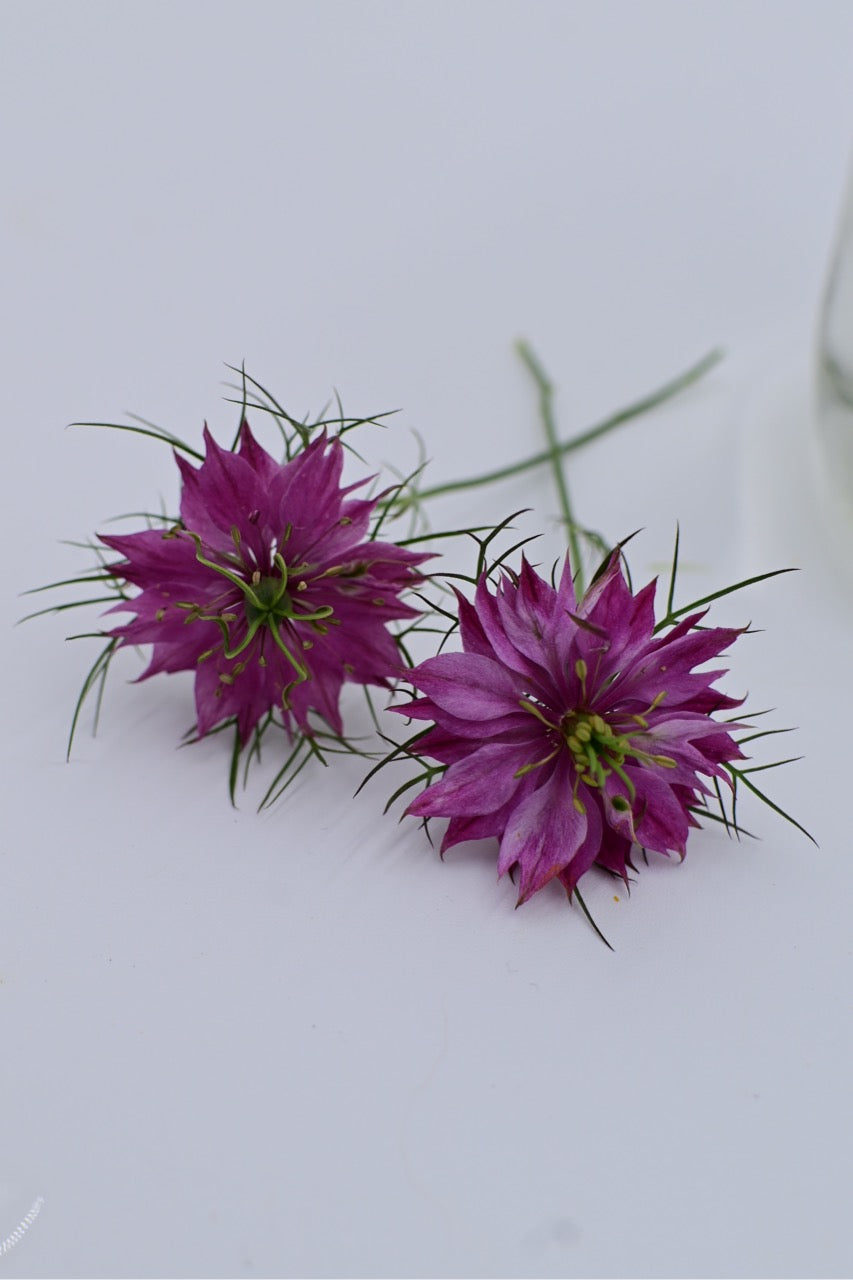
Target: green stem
[(546, 395), (618, 419)]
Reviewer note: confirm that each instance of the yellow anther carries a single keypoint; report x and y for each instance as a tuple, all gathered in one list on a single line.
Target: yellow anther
[(256, 578)]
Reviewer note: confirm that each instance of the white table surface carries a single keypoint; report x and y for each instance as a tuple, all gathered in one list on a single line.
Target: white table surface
[(298, 1043)]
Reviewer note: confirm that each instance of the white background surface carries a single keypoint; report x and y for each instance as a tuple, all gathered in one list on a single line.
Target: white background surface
[(298, 1043)]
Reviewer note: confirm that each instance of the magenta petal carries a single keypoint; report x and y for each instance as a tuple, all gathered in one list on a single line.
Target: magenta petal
[(479, 827), (661, 819), (589, 848), (261, 462), (513, 641), (474, 639), (469, 686), (542, 836), (479, 783), (614, 854), (220, 496)]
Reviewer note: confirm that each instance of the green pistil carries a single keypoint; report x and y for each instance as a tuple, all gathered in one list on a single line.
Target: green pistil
[(267, 603), (271, 599), (598, 752)]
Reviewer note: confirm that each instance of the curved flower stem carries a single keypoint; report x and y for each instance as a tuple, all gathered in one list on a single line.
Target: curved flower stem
[(546, 394), (608, 424)]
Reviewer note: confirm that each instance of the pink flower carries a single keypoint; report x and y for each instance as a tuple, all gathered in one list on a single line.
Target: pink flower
[(571, 732), (269, 588)]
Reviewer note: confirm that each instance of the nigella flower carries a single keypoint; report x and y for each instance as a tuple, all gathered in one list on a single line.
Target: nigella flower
[(571, 732), (269, 588)]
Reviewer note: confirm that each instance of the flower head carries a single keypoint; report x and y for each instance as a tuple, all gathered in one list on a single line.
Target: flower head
[(269, 587), (570, 731)]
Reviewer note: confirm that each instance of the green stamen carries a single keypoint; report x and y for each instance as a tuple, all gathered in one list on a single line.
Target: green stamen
[(629, 786), (267, 603), (598, 750), (532, 708), (581, 671), (537, 764)]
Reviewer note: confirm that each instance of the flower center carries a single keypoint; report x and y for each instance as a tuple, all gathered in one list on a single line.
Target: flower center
[(266, 603), (269, 601), (596, 750)]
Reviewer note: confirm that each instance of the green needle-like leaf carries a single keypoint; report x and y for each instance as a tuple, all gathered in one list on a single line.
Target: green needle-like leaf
[(69, 604), (585, 909), (72, 582), (100, 664), (234, 767), (286, 774), (671, 593), (427, 776), (675, 614), (154, 432), (723, 820), (740, 776), (401, 750), (763, 733)]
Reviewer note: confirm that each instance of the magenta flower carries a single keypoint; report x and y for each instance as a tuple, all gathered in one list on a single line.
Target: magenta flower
[(570, 731), (269, 588)]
